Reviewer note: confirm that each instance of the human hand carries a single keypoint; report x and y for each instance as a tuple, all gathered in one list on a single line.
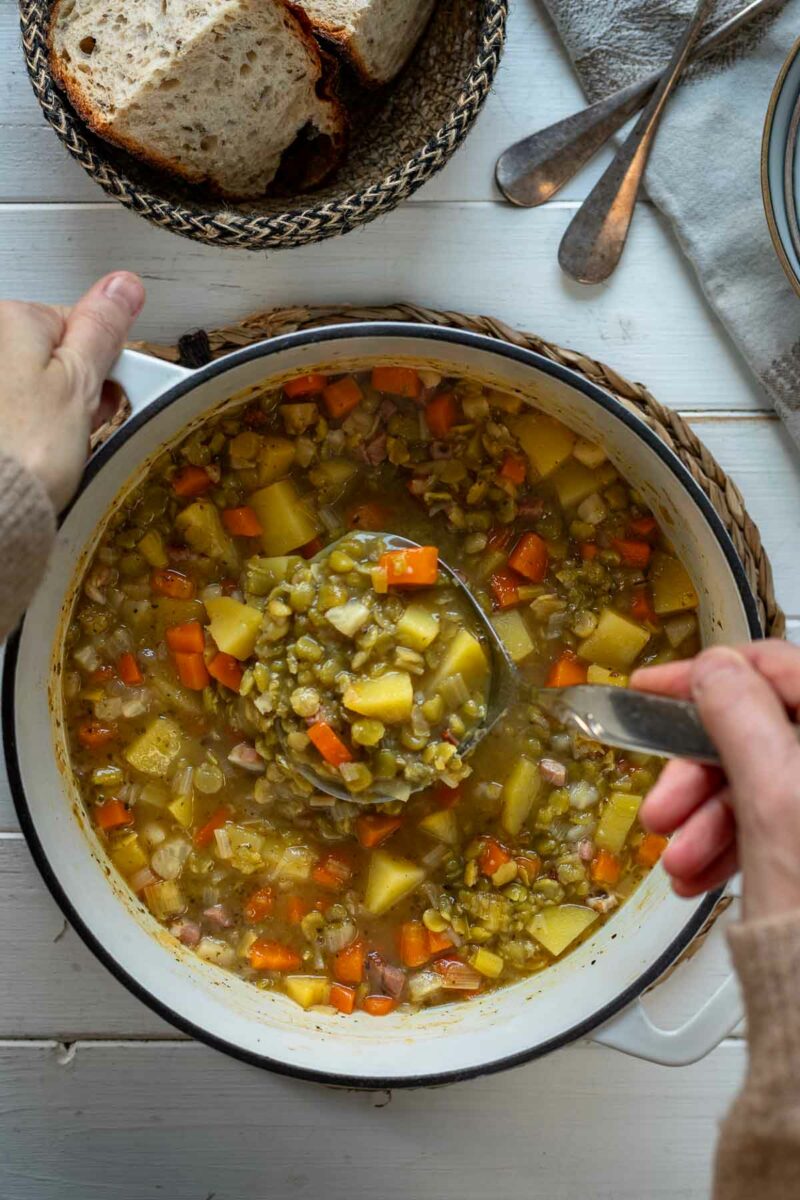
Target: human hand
[(54, 363), (747, 814)]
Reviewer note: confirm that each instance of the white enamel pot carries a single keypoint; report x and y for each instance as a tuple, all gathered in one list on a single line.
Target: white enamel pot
[(595, 990)]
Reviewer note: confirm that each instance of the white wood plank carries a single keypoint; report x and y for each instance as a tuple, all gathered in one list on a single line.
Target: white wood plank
[(143, 1122), (650, 321), (535, 86)]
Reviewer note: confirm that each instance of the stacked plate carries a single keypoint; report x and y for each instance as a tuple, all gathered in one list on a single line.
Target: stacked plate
[(780, 166)]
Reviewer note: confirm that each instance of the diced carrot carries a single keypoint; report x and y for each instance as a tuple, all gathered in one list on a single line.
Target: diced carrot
[(492, 857), (217, 819), (566, 671), (191, 481), (650, 849), (348, 964), (529, 557), (528, 865), (102, 675), (416, 567), (378, 1006), (499, 537), (414, 949), (514, 468), (186, 639), (633, 554), (642, 605), (329, 744), (447, 797), (242, 522), (439, 942), (311, 548), (374, 828), (111, 814), (397, 381), (226, 670), (642, 527), (371, 515), (342, 998), (259, 905), (304, 385), (192, 671), (172, 583), (94, 735), (254, 417), (441, 414), (341, 397), (333, 871), (129, 671), (588, 551), (296, 909), (266, 955), (606, 867), (505, 588)]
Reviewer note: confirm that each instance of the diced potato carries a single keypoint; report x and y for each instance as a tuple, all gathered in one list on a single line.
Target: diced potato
[(285, 520), (128, 855), (616, 642), (616, 820), (308, 990), (465, 656), (295, 863), (417, 628), (519, 794), (514, 634), (297, 418), (388, 698), (597, 674), (487, 962), (333, 474), (442, 826), (557, 928), (573, 483), (182, 809), (165, 899), (234, 626), (274, 460), (200, 525), (546, 441), (262, 574), (389, 881), (679, 628), (152, 550), (671, 586), (153, 751), (589, 453)]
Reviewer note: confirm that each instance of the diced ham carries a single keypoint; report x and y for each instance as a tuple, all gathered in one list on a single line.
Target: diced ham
[(553, 772), (247, 757), (419, 485), (383, 977), (218, 916), (187, 932), (439, 450), (602, 904), (530, 508), (374, 451), (387, 409)]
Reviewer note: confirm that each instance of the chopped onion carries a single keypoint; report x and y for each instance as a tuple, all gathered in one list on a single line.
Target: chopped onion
[(224, 848), (86, 657), (330, 519), (582, 795), (423, 984), (108, 709), (458, 976), (182, 781), (142, 879), (336, 937), (434, 856), (167, 859), (454, 692), (321, 800), (348, 618), (211, 591)]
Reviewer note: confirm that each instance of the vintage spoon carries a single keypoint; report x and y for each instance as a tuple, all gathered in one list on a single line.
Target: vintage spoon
[(532, 170), (596, 236), (614, 716)]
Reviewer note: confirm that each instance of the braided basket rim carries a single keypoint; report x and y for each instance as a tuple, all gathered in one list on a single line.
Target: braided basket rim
[(296, 226)]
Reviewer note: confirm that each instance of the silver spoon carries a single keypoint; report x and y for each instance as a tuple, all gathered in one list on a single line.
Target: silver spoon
[(596, 236), (532, 170), (615, 716)]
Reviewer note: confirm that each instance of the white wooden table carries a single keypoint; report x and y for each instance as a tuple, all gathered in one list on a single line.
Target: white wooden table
[(98, 1097)]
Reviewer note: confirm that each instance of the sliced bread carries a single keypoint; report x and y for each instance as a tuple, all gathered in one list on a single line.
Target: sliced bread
[(213, 90), (377, 36)]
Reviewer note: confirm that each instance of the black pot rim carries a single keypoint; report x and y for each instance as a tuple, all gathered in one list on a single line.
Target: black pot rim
[(312, 338)]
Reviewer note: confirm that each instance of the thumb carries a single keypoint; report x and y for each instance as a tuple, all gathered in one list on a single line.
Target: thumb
[(745, 719), (97, 326)]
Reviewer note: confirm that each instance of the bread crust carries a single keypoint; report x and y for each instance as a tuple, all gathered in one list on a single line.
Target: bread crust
[(343, 42), (320, 165)]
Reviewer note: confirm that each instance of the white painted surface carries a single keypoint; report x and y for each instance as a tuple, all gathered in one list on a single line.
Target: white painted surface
[(140, 1119)]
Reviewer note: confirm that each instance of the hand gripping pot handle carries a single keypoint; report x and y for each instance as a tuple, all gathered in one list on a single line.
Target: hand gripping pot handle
[(143, 378)]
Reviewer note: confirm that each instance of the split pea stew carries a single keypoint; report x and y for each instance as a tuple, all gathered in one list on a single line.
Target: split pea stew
[(206, 650)]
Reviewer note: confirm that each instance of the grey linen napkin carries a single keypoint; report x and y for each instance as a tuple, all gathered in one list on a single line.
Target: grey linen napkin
[(704, 172)]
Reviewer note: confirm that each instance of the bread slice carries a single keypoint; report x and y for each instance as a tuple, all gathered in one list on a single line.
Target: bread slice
[(212, 90), (377, 36)]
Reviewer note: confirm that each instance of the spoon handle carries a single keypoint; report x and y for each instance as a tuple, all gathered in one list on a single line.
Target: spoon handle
[(532, 170), (595, 239)]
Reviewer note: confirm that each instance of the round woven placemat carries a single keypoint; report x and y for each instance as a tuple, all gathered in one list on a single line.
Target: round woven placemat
[(200, 347)]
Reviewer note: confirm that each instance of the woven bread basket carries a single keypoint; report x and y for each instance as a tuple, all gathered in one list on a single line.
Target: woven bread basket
[(400, 137)]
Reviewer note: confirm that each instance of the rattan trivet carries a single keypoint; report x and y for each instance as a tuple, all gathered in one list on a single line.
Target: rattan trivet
[(196, 349)]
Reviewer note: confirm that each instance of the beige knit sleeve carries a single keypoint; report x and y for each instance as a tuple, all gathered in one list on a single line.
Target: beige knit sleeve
[(27, 530), (758, 1156)]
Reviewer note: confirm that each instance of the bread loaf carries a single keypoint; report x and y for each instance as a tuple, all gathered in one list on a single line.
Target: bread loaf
[(377, 36)]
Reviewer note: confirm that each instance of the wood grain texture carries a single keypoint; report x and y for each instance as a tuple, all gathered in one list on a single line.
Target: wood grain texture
[(179, 1122)]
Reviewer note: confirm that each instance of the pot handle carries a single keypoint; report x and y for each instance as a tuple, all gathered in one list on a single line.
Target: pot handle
[(632, 1031), (144, 378)]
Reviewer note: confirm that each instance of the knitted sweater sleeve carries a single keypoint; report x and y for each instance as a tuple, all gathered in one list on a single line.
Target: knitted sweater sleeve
[(27, 530)]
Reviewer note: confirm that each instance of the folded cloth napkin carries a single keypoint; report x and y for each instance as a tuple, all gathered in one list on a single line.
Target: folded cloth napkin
[(704, 172)]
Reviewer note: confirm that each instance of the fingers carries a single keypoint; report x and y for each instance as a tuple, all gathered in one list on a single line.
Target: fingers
[(29, 333), (717, 873), (708, 833), (96, 329), (680, 789), (668, 679), (778, 662)]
